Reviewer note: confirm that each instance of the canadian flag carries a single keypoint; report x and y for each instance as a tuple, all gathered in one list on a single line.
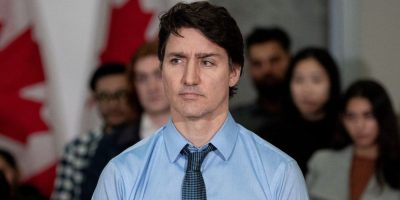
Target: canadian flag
[(131, 22), (24, 124)]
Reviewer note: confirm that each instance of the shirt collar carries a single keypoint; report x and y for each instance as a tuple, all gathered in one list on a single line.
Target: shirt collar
[(224, 140), (174, 141)]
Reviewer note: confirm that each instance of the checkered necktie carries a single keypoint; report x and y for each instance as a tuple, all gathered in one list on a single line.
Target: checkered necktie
[(193, 187)]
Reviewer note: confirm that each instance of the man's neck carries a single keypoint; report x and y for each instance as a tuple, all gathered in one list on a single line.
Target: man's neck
[(199, 131)]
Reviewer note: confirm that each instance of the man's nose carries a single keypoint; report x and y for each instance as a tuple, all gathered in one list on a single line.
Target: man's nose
[(266, 67), (191, 74)]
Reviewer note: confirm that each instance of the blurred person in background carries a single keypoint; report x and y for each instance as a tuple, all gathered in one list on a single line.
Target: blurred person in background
[(366, 163), (10, 186), (310, 115), (144, 75), (111, 92), (268, 55)]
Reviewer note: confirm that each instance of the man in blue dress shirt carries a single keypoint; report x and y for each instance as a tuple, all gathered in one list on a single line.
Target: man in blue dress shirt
[(201, 54)]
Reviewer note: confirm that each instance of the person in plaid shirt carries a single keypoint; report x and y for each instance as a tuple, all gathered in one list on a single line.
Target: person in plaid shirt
[(111, 92)]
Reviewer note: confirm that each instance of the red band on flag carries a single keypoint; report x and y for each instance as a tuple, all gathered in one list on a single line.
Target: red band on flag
[(126, 32)]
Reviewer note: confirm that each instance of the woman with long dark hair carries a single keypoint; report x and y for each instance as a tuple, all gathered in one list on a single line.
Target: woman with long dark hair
[(310, 113), (366, 164)]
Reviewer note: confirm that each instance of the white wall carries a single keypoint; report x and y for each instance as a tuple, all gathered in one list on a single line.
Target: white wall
[(380, 43), (364, 37)]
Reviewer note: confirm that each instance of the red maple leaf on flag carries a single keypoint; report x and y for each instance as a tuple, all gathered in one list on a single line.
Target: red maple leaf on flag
[(126, 32), (23, 130), (21, 66)]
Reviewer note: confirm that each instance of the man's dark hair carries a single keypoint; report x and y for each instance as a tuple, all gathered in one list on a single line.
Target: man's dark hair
[(214, 22), (106, 69), (261, 35)]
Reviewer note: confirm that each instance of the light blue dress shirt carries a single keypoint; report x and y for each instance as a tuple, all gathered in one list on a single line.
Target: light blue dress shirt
[(244, 166)]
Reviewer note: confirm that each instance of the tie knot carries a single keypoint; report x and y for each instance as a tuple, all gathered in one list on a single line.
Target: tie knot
[(195, 159)]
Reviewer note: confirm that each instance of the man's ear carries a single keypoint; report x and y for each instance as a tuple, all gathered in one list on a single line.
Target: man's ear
[(234, 75)]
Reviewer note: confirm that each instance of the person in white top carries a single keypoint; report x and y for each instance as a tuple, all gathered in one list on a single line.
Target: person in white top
[(145, 76)]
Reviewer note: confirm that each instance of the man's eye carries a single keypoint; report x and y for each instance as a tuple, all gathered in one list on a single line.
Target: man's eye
[(102, 96), (121, 94), (255, 64), (207, 63), (175, 61)]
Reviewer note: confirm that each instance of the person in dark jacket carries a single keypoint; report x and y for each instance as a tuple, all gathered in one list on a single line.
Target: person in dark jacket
[(268, 55)]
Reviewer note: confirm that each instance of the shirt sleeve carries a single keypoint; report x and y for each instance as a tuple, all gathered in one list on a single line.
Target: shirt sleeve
[(290, 184), (109, 186)]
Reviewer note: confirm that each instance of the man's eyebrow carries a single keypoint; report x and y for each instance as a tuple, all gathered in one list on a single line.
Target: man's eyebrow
[(197, 55), (206, 55), (176, 54)]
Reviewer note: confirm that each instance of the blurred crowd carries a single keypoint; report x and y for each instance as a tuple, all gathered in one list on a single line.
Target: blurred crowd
[(345, 142)]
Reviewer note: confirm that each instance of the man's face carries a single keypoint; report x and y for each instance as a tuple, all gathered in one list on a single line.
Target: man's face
[(197, 76), (149, 85), (268, 63), (111, 95)]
